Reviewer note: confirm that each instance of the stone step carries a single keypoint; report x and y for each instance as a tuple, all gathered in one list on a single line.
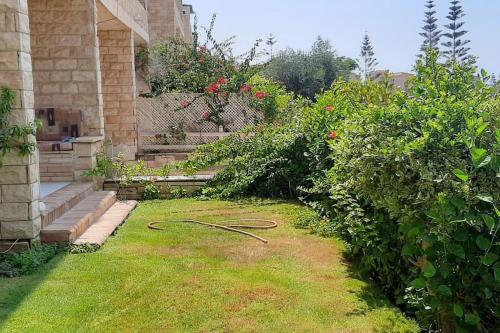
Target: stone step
[(61, 201), (99, 232), (56, 179), (75, 222)]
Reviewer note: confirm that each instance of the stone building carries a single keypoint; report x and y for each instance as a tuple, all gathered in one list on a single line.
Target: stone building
[(71, 64), (169, 18)]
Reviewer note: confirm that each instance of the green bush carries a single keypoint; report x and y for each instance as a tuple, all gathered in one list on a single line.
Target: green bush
[(27, 262), (151, 192), (409, 180), (423, 174)]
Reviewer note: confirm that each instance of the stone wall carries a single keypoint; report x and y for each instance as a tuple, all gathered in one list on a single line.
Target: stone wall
[(135, 189), (119, 89), (66, 59), (19, 183)]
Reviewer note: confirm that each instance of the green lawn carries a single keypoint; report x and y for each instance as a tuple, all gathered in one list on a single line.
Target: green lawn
[(196, 279)]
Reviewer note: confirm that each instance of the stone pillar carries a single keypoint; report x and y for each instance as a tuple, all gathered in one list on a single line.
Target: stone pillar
[(65, 54), (85, 154), (19, 179), (161, 20), (119, 89)]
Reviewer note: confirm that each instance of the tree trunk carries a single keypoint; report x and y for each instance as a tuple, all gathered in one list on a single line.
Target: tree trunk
[(445, 322)]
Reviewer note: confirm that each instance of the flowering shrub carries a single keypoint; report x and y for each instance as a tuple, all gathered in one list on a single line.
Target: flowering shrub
[(207, 68), (409, 180)]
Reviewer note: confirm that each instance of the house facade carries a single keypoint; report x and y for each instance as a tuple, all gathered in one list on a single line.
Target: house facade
[(71, 65)]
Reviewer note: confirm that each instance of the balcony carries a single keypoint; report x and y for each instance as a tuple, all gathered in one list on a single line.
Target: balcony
[(117, 14)]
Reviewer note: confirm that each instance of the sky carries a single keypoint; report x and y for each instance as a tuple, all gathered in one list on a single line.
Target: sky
[(393, 26)]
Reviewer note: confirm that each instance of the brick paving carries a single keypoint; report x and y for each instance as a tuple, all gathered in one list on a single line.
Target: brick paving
[(61, 201), (76, 221)]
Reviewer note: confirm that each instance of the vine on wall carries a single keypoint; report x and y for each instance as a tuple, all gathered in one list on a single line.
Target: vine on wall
[(13, 137)]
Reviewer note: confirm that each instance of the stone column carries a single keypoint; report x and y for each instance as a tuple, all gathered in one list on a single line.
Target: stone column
[(19, 177), (116, 48), (65, 54)]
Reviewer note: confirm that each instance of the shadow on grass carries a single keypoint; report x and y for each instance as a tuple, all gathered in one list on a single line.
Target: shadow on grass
[(374, 298), (13, 291)]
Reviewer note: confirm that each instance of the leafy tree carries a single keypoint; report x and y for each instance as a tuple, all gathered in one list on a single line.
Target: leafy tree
[(308, 73), (368, 62), (456, 49), (431, 32)]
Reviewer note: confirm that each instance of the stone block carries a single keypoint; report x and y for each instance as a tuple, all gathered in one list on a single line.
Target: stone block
[(12, 79), (13, 175), (9, 61), (66, 64), (85, 163), (13, 211), (84, 76), (21, 229), (23, 23), (17, 193), (60, 76), (34, 210), (33, 173), (69, 88)]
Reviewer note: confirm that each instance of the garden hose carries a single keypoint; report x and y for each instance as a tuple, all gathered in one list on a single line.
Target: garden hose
[(267, 224)]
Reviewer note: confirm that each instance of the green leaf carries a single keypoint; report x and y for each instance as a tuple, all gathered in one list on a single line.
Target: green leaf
[(471, 319), (458, 310), (478, 156), (461, 235), (497, 273), (418, 283), (429, 270), (461, 175), (487, 293), (481, 129), (485, 162), (457, 250), (489, 259), (482, 242), (444, 290), (489, 221), (445, 270), (485, 198)]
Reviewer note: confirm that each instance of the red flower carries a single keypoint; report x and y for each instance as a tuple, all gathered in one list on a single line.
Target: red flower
[(222, 80), (185, 104), (224, 94), (333, 135), (205, 115), (214, 87), (245, 88), (260, 95), (330, 108)]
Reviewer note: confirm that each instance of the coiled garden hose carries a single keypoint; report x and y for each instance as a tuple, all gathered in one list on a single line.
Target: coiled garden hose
[(267, 224)]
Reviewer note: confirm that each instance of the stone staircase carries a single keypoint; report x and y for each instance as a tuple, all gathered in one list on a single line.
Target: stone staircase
[(78, 214), (56, 166)]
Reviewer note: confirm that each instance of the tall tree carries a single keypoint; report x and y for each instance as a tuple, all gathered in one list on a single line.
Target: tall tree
[(271, 41), (368, 62), (307, 73), (431, 32), (456, 50)]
